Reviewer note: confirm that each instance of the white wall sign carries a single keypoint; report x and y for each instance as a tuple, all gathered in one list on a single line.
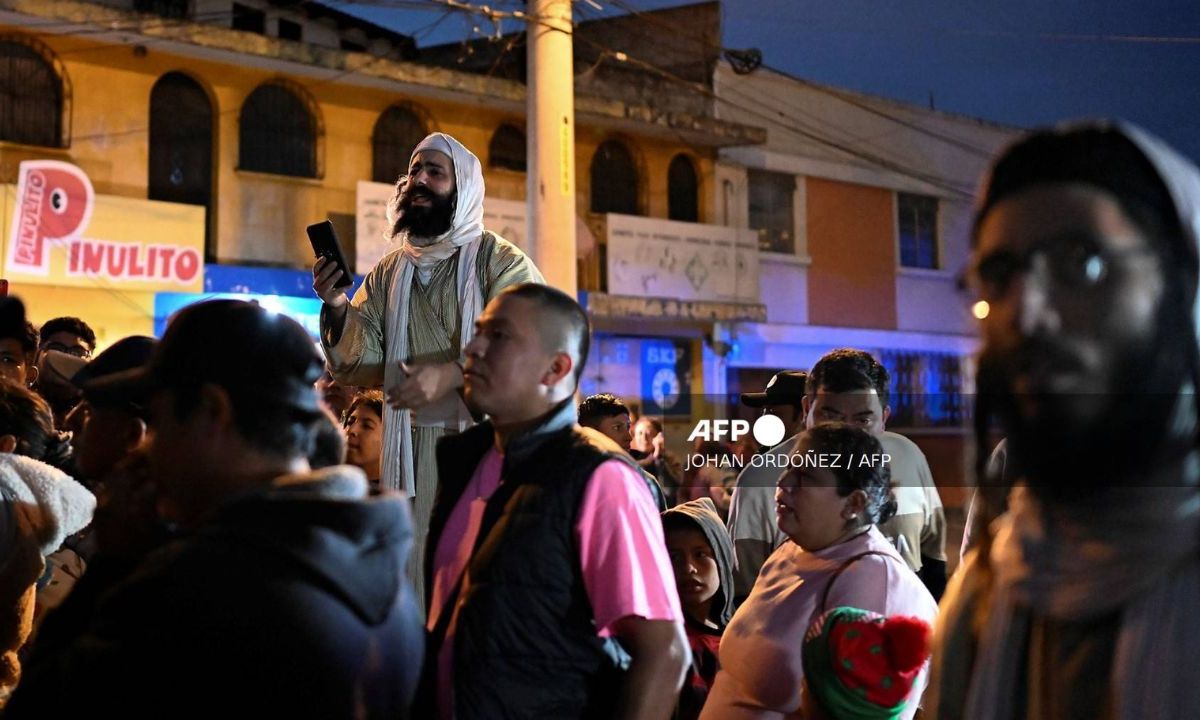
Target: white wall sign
[(686, 261)]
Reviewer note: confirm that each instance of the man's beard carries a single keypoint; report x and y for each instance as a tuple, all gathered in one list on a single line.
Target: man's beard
[(425, 221), (1067, 447)]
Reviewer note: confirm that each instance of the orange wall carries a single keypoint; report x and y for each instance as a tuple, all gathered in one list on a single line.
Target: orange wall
[(851, 239)]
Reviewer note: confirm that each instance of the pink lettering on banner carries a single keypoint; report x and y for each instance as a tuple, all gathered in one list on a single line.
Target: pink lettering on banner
[(54, 204), (115, 254), (166, 253), (132, 261), (187, 265)]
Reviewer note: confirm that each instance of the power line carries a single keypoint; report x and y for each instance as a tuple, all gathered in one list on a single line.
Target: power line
[(795, 126), (674, 31)]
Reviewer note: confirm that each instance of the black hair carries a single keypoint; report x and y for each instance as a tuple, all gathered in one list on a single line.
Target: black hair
[(566, 310), (596, 408), (72, 325), (25, 334), (846, 370), (373, 399), (328, 446), (28, 418), (852, 445)]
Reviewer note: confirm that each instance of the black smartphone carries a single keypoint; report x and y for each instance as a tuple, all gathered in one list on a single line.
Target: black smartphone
[(325, 244)]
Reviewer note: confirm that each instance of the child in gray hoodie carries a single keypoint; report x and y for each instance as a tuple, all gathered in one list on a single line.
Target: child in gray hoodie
[(702, 556)]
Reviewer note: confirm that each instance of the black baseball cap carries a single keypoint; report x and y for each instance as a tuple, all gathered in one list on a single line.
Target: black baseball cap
[(126, 354), (784, 388), (253, 353)]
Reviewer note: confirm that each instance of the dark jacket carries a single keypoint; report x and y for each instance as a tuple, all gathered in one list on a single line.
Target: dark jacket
[(289, 603), (525, 642)]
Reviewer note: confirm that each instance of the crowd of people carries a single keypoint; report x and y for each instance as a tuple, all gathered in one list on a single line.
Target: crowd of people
[(418, 516)]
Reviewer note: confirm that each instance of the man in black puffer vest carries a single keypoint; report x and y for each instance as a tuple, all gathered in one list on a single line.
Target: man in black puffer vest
[(550, 591)]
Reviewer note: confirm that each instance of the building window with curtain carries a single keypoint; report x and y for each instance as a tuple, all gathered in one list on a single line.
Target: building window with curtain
[(507, 148), (683, 190), (31, 94), (614, 179), (771, 205), (917, 224), (278, 132), (398, 130)]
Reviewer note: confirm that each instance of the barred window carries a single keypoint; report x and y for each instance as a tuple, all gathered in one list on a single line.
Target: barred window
[(397, 131), (181, 142), (683, 190), (614, 179), (277, 133), (507, 148), (31, 95)]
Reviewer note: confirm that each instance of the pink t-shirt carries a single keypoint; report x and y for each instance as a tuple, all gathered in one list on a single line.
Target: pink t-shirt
[(622, 553)]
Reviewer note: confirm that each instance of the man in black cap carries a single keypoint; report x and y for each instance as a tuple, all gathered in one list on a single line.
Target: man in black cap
[(105, 430), (284, 595), (752, 508)]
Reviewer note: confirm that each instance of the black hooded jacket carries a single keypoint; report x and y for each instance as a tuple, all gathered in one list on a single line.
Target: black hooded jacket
[(291, 603)]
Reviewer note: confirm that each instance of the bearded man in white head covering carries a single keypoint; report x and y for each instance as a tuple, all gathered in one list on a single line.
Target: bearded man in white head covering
[(407, 325)]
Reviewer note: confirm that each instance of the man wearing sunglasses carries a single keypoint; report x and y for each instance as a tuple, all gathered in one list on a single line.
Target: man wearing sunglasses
[(1082, 599)]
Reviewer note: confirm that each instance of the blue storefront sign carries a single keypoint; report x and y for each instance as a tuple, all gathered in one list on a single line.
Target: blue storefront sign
[(666, 378), (280, 290)]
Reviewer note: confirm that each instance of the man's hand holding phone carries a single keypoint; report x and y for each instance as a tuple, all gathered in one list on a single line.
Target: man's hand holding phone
[(327, 277)]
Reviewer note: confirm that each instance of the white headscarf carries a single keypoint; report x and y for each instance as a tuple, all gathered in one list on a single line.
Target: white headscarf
[(465, 234)]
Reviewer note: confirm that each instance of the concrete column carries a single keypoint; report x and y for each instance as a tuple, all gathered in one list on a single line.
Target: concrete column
[(551, 142)]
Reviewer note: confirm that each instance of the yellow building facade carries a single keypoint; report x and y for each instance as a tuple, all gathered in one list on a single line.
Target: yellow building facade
[(108, 77)]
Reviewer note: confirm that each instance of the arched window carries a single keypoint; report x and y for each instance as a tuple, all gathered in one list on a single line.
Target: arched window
[(683, 190), (31, 94), (181, 143), (507, 148), (277, 132), (614, 180), (397, 131)]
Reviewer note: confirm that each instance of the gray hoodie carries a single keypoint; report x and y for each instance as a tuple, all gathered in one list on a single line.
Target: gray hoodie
[(703, 513)]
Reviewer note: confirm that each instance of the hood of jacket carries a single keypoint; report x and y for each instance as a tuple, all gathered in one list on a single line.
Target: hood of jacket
[(325, 521), (703, 514)]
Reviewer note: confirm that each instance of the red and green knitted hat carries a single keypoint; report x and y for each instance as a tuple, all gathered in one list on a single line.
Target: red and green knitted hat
[(861, 666)]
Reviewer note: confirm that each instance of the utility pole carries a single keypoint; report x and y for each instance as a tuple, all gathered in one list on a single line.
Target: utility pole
[(550, 188)]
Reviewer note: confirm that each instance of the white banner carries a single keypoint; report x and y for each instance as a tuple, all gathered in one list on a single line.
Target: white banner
[(648, 257), (506, 218)]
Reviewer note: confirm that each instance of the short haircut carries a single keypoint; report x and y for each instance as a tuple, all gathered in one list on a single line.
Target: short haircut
[(28, 418), (26, 335), (72, 325), (595, 408), (570, 317), (373, 399), (847, 370), (874, 479)]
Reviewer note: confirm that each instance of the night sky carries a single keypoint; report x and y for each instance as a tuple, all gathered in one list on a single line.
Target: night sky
[(1021, 62)]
